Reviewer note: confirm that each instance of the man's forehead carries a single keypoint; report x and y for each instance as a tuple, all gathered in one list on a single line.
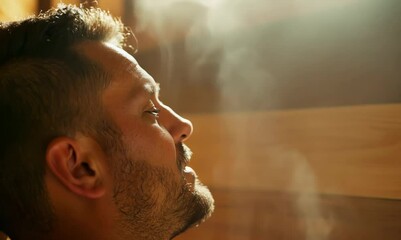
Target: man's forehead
[(123, 68), (144, 79), (113, 58)]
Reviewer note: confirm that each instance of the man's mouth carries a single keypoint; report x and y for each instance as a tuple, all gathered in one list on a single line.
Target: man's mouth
[(184, 155), (190, 178), (183, 158)]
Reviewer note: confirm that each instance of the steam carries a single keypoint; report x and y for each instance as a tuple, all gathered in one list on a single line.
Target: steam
[(308, 202), (219, 32), (214, 32)]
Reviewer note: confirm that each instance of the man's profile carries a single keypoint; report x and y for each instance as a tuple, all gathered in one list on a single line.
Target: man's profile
[(88, 150)]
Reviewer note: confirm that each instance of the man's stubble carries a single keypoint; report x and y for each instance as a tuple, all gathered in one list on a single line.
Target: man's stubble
[(152, 202)]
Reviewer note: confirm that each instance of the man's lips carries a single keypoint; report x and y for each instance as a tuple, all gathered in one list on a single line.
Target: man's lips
[(183, 158), (190, 177), (184, 155)]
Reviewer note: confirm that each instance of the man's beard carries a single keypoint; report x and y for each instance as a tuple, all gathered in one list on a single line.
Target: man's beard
[(154, 202)]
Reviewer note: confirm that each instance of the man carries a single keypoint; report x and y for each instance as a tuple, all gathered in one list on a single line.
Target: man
[(88, 150)]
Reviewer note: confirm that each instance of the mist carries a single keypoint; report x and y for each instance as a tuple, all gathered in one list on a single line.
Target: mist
[(264, 54), (236, 56)]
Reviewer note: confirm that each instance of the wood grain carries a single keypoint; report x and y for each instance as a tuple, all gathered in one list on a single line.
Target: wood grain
[(353, 151), (256, 215)]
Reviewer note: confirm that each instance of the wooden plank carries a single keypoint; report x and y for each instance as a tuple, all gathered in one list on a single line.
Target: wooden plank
[(353, 150), (43, 5), (11, 10), (256, 215), (114, 7)]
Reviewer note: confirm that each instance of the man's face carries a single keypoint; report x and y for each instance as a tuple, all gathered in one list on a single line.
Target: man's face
[(157, 196)]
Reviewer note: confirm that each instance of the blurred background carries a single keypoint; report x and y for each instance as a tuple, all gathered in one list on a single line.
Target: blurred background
[(295, 103)]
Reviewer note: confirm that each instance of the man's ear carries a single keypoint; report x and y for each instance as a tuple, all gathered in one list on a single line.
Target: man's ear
[(75, 167)]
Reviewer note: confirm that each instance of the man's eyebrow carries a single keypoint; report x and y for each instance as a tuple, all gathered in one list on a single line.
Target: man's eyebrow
[(153, 89)]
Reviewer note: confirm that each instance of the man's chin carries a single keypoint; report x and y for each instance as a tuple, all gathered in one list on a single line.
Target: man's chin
[(205, 199), (202, 205)]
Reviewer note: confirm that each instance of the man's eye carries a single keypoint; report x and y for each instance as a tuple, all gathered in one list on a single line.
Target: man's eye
[(154, 111)]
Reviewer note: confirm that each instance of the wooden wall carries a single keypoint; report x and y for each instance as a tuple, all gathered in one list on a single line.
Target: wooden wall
[(300, 136), (322, 173), (296, 115)]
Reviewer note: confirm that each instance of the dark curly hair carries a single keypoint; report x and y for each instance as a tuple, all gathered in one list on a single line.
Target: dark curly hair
[(47, 89)]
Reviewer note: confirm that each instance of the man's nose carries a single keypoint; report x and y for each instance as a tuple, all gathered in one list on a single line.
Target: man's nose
[(180, 128)]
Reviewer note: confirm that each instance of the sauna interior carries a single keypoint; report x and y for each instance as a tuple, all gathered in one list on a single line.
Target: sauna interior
[(296, 106)]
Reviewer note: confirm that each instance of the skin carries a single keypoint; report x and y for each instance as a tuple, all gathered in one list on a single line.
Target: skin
[(142, 192)]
